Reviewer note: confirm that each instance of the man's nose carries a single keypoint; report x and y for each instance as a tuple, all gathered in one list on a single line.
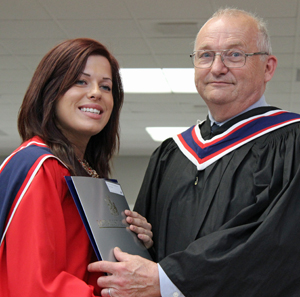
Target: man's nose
[(218, 65)]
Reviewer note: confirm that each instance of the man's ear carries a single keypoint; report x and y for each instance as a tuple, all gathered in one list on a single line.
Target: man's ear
[(270, 67)]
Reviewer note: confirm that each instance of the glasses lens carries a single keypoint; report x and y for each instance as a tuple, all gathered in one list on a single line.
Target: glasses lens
[(231, 58), (234, 58), (203, 59)]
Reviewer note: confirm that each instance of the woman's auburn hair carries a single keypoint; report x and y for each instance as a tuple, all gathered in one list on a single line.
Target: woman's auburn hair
[(57, 72)]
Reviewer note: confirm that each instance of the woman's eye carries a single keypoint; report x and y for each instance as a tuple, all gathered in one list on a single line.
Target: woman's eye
[(80, 82), (106, 88)]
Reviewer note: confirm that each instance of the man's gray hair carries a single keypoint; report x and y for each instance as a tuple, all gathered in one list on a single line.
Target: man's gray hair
[(263, 40)]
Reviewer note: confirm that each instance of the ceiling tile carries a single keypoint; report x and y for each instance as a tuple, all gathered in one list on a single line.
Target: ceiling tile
[(25, 46), (172, 45), (282, 26), (87, 9), (30, 29), (170, 9), (98, 27), (265, 8), (23, 10)]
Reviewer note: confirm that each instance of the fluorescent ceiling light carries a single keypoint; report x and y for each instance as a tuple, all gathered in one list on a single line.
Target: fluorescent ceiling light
[(162, 133), (181, 80), (141, 80), (157, 80)]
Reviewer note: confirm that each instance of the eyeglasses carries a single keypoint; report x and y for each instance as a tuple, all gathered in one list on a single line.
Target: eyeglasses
[(231, 58)]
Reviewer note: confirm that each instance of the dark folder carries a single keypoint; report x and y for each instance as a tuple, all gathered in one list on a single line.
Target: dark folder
[(101, 204)]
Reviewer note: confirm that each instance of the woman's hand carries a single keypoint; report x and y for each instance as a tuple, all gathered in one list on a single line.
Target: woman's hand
[(140, 226)]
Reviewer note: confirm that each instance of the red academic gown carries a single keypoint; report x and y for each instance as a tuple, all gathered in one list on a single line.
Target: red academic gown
[(46, 250)]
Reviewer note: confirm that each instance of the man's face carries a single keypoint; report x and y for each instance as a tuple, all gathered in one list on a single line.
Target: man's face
[(235, 88)]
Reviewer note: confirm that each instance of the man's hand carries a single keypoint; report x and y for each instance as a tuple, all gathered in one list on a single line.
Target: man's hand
[(132, 276), (140, 226)]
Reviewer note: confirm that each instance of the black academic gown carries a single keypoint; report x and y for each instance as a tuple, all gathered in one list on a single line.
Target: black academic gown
[(232, 229)]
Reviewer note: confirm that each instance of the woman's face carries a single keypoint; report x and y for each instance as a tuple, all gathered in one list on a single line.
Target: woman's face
[(85, 109)]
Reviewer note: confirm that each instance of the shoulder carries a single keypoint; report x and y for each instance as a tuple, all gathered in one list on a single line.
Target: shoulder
[(289, 134), (28, 152), (31, 155), (167, 148), (165, 155), (169, 145)]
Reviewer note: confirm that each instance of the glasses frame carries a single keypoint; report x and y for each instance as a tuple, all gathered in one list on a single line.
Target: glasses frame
[(220, 53)]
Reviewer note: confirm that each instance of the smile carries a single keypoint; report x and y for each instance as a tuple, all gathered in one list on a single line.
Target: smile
[(220, 82), (92, 110)]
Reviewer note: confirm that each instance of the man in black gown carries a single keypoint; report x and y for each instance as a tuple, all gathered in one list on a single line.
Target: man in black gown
[(224, 203)]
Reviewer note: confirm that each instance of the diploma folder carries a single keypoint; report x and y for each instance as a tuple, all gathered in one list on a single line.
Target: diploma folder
[(101, 204)]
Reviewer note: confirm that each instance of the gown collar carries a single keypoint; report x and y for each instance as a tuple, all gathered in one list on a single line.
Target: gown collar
[(203, 150)]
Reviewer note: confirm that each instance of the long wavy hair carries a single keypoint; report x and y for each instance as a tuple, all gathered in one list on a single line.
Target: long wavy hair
[(55, 75)]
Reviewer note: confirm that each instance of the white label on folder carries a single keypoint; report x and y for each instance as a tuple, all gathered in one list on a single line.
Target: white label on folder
[(114, 188)]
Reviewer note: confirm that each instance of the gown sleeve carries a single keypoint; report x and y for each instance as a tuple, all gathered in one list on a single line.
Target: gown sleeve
[(255, 251), (46, 249)]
